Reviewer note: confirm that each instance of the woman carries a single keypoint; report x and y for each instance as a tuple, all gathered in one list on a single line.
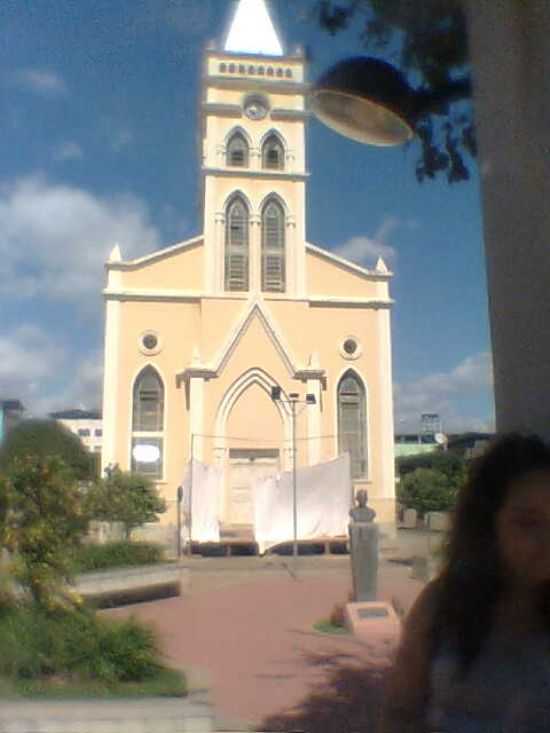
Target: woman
[(475, 651)]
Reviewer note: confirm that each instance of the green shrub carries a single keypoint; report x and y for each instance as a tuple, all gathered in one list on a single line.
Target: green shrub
[(44, 524), (427, 490), (123, 496), (76, 644), (88, 558)]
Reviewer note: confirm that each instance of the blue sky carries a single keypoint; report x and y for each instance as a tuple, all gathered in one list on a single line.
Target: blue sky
[(99, 145)]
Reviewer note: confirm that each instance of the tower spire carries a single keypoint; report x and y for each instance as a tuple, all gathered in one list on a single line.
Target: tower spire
[(252, 30)]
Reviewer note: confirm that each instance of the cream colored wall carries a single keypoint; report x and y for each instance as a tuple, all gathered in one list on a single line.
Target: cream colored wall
[(182, 325), (177, 325), (181, 270), (328, 278)]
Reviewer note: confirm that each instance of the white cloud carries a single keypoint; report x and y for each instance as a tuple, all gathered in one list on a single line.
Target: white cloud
[(366, 250), (442, 393), (40, 81), (38, 370), (55, 238), (30, 360), (68, 150)]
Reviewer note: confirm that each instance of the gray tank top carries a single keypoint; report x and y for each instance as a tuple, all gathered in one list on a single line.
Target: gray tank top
[(507, 689)]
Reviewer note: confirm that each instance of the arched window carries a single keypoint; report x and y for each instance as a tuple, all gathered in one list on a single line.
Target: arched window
[(273, 154), (273, 248), (237, 151), (352, 423), (148, 424), (236, 245)]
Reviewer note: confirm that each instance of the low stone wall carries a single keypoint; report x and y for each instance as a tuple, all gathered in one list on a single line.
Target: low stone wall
[(131, 585), (192, 714)]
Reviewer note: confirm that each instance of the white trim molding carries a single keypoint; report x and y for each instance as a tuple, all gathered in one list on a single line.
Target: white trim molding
[(158, 255), (348, 265), (110, 383)]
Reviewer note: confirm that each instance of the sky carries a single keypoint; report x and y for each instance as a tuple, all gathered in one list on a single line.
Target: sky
[(99, 145)]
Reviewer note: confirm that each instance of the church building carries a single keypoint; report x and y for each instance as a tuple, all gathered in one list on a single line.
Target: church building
[(198, 334)]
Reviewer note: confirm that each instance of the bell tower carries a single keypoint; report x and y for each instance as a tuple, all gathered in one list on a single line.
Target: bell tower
[(253, 161)]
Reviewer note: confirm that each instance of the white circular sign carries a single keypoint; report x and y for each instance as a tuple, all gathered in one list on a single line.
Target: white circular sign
[(146, 453), (440, 438)]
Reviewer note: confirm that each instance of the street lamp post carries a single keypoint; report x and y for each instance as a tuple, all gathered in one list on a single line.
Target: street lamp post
[(292, 402)]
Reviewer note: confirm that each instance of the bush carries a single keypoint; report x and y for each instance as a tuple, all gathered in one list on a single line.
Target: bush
[(427, 490), (88, 558), (75, 644)]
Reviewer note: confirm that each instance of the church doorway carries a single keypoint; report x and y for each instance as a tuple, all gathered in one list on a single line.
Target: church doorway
[(246, 467)]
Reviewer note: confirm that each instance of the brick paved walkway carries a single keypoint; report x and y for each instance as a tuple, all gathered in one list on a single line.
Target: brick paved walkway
[(247, 634)]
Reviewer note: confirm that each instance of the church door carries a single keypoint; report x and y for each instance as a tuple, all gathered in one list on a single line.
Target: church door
[(246, 467)]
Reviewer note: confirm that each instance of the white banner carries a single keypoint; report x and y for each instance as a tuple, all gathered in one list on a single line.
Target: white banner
[(323, 498), (205, 485)]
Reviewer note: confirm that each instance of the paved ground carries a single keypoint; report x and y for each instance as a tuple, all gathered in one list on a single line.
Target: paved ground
[(245, 628)]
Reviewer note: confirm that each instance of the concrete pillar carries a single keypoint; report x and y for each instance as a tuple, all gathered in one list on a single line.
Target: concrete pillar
[(511, 74)]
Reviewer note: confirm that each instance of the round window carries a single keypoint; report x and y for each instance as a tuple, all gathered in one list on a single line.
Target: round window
[(149, 341), (350, 346)]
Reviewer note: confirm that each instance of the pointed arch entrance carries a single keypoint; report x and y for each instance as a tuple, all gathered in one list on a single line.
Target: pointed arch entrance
[(253, 437)]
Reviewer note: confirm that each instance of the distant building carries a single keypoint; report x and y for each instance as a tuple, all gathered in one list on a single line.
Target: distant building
[(412, 444), (11, 411), (87, 424), (469, 445)]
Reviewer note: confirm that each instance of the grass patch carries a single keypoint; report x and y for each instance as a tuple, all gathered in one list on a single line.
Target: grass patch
[(73, 652), (90, 558), (166, 683), (325, 626)]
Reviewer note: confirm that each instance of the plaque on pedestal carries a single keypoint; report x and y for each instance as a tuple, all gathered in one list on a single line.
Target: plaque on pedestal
[(375, 623)]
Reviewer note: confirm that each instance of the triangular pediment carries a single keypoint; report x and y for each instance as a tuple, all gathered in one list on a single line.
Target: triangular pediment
[(257, 314)]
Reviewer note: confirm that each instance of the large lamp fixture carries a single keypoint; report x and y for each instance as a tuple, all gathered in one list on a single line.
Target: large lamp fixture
[(365, 99), (370, 101)]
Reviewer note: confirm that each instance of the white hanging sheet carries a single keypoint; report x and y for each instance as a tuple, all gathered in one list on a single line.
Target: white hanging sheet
[(323, 499), (204, 483)]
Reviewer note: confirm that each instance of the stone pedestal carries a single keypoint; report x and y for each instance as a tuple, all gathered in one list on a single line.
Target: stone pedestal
[(364, 560)]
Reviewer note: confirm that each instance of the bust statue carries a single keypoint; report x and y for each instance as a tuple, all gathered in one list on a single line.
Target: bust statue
[(362, 512)]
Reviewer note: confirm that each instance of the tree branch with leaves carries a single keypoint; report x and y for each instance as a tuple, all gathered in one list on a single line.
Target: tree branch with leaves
[(428, 42)]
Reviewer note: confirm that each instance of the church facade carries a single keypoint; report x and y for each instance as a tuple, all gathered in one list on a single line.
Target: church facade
[(198, 334)]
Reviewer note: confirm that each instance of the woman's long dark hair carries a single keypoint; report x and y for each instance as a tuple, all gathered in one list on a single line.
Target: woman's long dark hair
[(471, 580)]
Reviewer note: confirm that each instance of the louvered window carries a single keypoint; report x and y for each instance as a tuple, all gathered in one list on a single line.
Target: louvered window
[(273, 248), (148, 410), (352, 426), (273, 154), (237, 151), (236, 246)]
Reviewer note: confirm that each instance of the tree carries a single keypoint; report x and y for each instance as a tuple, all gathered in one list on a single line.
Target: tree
[(450, 464), (427, 490), (43, 439), (430, 38), (125, 497), (44, 522)]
